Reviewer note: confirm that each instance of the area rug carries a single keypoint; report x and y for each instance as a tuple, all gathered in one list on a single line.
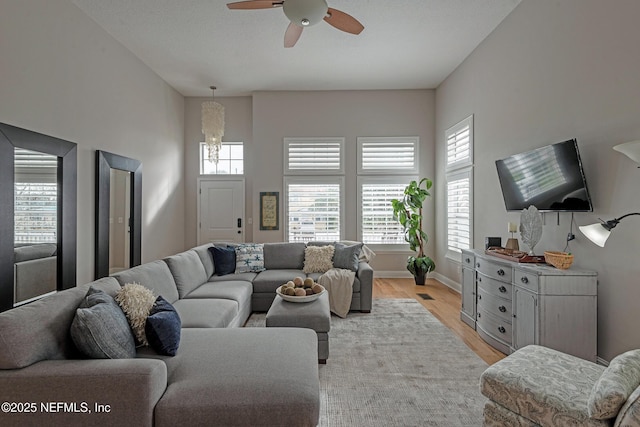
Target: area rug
[(397, 366)]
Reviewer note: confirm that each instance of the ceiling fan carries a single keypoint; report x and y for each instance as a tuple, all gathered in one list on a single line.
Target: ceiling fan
[(304, 13)]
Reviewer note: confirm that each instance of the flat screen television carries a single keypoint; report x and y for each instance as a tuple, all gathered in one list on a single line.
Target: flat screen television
[(550, 178)]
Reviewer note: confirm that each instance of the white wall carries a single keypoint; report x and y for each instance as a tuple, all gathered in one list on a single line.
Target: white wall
[(555, 70), (348, 114), (62, 75)]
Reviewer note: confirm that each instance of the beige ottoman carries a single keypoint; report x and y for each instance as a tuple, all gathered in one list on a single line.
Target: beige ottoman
[(311, 315)]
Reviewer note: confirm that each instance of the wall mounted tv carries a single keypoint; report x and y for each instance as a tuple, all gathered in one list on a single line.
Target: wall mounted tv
[(549, 178)]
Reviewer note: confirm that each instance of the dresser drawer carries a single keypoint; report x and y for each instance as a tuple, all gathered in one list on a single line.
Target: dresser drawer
[(494, 287), (494, 326), (495, 270), (526, 280), (494, 305)]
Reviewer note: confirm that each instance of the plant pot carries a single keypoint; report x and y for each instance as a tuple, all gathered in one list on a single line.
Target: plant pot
[(420, 280)]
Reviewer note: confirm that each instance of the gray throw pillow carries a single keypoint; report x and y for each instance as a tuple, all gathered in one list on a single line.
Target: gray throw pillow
[(100, 329), (347, 257)]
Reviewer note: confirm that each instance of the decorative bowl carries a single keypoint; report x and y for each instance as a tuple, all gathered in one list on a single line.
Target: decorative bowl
[(561, 260), (306, 298)]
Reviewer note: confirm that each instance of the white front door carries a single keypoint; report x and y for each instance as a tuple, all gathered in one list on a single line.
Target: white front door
[(220, 210)]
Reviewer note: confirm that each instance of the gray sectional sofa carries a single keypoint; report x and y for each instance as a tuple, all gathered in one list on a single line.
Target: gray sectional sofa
[(221, 374)]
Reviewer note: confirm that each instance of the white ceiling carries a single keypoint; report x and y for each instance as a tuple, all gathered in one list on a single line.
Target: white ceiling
[(406, 44)]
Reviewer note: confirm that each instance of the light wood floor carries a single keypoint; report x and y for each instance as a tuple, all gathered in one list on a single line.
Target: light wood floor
[(445, 306)]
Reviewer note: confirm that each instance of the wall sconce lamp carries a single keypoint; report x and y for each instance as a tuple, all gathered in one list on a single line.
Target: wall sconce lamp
[(599, 232), (631, 150)]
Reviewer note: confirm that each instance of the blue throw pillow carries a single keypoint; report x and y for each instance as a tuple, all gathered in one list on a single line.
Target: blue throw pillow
[(224, 260), (163, 328)]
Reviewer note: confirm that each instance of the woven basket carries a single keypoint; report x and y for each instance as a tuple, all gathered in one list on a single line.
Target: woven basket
[(561, 260)]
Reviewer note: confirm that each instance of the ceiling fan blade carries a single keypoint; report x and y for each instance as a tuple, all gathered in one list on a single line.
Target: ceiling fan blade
[(254, 4), (343, 21), (292, 35)]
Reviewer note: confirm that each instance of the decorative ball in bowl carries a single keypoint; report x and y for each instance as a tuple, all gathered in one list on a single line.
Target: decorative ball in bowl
[(300, 290)]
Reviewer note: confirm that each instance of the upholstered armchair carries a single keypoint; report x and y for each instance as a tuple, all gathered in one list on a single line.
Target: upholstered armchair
[(538, 386)]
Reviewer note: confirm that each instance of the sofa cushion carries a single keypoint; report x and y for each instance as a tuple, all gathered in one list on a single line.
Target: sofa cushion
[(100, 329), (629, 414), (205, 258), (276, 386), (36, 251), (249, 257), (154, 275), (236, 290), (187, 270), (347, 257), (243, 277), (543, 385), (284, 256), (206, 313), (318, 259), (224, 260), (163, 328), (616, 384), (40, 330), (136, 302), (268, 280)]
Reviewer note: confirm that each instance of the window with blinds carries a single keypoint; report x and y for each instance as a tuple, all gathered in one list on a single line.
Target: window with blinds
[(35, 197), (376, 215), (459, 177), (313, 209), (387, 155), (459, 211), (318, 156)]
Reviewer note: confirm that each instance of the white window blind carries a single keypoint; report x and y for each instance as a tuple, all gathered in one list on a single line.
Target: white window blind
[(460, 144), (313, 156), (313, 211), (35, 197), (387, 155), (35, 216), (459, 177), (230, 160), (458, 212), (376, 215)]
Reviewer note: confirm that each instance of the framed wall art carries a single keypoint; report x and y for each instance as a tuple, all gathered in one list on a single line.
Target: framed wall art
[(269, 210)]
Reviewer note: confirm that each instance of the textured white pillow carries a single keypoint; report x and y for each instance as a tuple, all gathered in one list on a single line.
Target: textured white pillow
[(318, 259), (136, 301)]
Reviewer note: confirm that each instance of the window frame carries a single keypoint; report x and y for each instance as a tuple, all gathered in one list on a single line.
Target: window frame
[(202, 159), (316, 179), (454, 171), (391, 140), (287, 141), (391, 179)]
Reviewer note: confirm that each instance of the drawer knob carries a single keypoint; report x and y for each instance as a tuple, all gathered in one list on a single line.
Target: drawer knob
[(501, 272), (502, 309), (479, 296), (478, 264), (479, 279), (502, 289), (467, 260), (479, 316), (502, 330), (524, 279)]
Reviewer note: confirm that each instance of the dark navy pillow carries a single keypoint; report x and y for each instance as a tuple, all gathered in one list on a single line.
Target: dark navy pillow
[(163, 328), (224, 260)]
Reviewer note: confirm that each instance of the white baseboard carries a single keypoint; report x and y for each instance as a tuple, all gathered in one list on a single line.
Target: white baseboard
[(391, 274), (601, 361)]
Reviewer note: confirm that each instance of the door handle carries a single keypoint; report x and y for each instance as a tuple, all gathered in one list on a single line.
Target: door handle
[(239, 222)]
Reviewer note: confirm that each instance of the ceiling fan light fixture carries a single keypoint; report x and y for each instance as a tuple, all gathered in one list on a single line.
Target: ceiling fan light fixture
[(305, 13)]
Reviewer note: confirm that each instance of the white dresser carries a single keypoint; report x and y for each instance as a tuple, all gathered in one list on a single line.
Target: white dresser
[(512, 304)]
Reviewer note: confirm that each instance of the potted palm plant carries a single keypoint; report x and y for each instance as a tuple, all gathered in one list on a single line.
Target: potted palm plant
[(408, 212)]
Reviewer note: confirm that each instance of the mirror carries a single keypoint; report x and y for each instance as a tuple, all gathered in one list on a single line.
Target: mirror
[(26, 236), (118, 213)]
